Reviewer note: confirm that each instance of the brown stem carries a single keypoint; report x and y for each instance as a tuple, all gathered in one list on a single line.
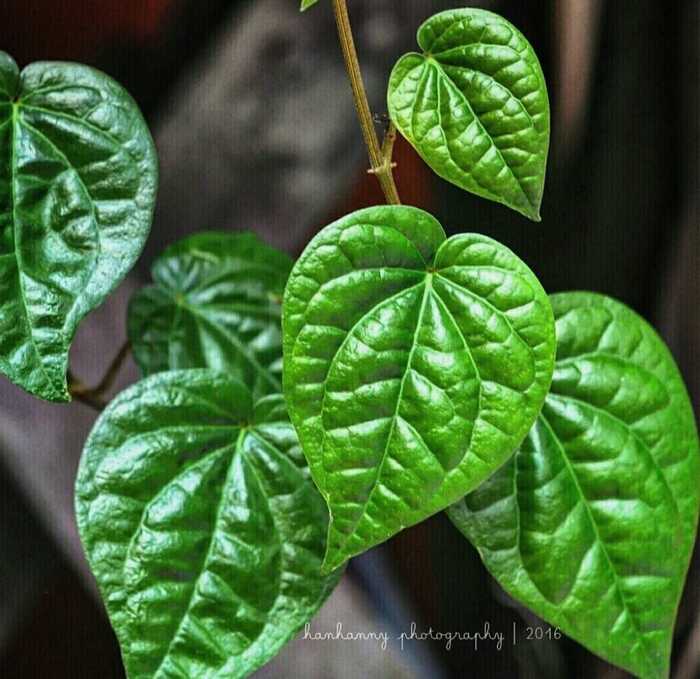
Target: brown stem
[(94, 396), (381, 162)]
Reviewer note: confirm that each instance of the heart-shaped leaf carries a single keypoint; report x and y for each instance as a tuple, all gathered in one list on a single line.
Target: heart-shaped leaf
[(77, 188), (592, 523), (474, 105), (215, 303), (201, 525), (413, 367)]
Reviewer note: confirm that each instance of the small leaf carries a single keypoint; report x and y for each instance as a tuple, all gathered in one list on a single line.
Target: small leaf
[(305, 4), (413, 367), (201, 525), (592, 523), (77, 188), (216, 303), (474, 105)]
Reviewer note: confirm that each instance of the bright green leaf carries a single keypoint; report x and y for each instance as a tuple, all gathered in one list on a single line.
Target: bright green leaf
[(305, 4), (215, 303), (77, 188), (413, 367), (474, 105), (592, 523), (201, 525)]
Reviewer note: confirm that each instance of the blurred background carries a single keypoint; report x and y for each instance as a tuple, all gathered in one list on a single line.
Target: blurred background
[(255, 129)]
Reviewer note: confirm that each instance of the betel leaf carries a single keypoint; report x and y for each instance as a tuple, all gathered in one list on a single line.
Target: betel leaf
[(215, 303), (413, 367), (592, 522), (78, 177), (201, 525), (474, 105)]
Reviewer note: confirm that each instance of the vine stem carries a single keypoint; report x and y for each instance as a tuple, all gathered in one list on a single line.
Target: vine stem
[(94, 396), (379, 157)]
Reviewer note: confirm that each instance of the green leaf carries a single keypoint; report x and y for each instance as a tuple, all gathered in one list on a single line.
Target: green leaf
[(216, 303), (305, 4), (201, 525), (474, 105), (413, 367), (78, 181), (592, 523)]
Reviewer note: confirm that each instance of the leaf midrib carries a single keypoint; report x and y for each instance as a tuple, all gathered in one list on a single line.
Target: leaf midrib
[(237, 451), (427, 293), (16, 122), (443, 73), (349, 334), (584, 500), (427, 283), (18, 258)]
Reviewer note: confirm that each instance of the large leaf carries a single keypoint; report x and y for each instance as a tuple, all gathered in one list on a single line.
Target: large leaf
[(413, 367), (215, 303), (592, 523), (78, 176), (474, 105), (201, 525)]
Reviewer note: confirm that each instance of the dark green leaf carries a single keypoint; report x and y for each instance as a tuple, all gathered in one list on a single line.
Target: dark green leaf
[(201, 525), (413, 367), (77, 188), (592, 522), (474, 105), (216, 303)]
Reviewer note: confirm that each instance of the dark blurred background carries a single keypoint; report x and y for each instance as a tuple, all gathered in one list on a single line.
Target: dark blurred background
[(255, 130)]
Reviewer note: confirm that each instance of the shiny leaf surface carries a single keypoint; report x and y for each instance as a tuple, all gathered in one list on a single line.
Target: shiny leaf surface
[(215, 303), (78, 176), (474, 105), (201, 525), (592, 523), (413, 367)]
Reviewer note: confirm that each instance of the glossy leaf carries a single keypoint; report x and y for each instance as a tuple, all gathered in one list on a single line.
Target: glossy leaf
[(77, 188), (592, 523), (215, 303), (201, 525), (413, 367), (474, 105), (305, 4)]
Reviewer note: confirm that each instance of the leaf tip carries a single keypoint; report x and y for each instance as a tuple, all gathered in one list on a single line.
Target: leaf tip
[(60, 396), (531, 212)]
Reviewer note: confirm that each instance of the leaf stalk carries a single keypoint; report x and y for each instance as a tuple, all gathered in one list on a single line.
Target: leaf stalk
[(94, 396)]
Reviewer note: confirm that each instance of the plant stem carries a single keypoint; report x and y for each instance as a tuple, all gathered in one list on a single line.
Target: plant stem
[(80, 392), (94, 396), (380, 158)]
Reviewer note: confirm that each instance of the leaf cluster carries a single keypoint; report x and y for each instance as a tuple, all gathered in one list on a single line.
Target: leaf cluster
[(292, 415)]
